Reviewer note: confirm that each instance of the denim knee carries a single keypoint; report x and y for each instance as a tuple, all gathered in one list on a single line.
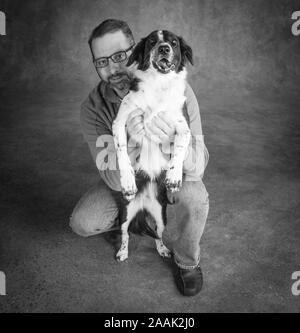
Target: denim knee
[(78, 225), (195, 191), (191, 191), (95, 212)]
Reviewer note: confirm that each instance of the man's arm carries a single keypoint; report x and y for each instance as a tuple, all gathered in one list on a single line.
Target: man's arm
[(99, 138), (197, 156)]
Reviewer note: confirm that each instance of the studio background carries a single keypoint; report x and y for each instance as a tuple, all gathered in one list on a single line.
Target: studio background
[(246, 76)]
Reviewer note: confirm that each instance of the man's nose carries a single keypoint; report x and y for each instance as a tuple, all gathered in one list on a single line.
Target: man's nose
[(113, 67), (164, 49)]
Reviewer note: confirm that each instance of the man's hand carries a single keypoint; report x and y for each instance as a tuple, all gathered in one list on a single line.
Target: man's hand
[(135, 126), (162, 127)]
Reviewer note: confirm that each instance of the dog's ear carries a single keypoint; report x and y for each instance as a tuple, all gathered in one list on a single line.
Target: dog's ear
[(186, 53), (138, 54)]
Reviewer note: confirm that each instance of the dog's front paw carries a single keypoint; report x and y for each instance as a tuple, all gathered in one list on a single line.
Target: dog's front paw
[(128, 184), (173, 179)]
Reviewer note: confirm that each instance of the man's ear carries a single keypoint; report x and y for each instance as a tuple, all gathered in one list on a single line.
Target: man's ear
[(137, 54), (186, 53)]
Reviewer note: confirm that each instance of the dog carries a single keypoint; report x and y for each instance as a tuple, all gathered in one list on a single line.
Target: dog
[(159, 83)]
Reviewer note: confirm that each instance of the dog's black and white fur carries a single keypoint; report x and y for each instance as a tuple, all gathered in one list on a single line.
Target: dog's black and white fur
[(159, 85)]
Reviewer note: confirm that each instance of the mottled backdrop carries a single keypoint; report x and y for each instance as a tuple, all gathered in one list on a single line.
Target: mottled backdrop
[(247, 81), (246, 41)]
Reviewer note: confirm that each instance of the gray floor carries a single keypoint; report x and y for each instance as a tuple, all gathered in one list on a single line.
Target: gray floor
[(251, 243)]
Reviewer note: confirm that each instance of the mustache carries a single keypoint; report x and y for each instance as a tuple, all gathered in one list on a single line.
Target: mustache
[(117, 75)]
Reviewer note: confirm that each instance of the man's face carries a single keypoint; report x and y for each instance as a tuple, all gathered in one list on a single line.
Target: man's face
[(116, 74)]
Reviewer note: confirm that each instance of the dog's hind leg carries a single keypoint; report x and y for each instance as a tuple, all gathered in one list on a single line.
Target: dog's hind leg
[(123, 251), (155, 210), (161, 248), (132, 209)]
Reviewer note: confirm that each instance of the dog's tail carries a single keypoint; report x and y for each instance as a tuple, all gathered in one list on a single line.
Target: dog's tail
[(139, 225)]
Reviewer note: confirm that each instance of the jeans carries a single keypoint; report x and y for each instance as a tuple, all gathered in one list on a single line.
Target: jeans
[(98, 210)]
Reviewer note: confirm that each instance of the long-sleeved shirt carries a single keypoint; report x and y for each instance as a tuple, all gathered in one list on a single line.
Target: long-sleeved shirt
[(98, 112)]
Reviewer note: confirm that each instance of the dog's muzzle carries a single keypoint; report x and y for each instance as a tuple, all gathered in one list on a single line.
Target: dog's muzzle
[(164, 65), (163, 61)]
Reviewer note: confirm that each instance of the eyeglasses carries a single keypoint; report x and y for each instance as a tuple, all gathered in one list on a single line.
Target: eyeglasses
[(116, 57)]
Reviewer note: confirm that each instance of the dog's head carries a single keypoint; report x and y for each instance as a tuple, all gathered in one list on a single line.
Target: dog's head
[(163, 51)]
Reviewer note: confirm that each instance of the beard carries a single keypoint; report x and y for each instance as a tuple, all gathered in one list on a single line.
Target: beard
[(120, 81)]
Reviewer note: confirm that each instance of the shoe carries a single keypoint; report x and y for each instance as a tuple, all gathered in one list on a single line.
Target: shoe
[(189, 281)]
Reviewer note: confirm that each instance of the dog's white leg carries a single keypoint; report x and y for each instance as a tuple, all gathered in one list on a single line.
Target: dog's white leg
[(161, 247), (174, 173), (127, 177), (132, 209), (155, 209), (123, 251)]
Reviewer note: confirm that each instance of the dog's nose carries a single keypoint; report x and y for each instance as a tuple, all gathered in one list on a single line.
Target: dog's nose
[(164, 49)]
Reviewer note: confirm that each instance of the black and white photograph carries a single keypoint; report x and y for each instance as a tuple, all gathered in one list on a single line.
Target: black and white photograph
[(150, 158)]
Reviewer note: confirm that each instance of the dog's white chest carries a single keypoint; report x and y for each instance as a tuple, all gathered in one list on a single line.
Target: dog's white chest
[(162, 97), (156, 93), (167, 99)]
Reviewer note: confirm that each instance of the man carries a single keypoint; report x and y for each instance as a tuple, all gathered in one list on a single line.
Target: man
[(111, 44)]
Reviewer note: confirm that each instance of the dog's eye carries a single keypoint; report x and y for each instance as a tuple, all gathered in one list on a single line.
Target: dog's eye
[(152, 41), (174, 42)]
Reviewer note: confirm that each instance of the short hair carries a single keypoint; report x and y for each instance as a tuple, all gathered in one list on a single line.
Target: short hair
[(109, 26)]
